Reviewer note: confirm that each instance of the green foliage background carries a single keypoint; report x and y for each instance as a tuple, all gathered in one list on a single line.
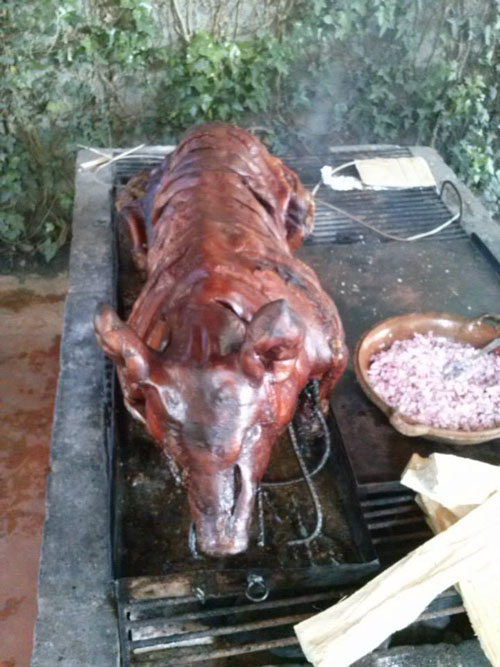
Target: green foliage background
[(104, 73)]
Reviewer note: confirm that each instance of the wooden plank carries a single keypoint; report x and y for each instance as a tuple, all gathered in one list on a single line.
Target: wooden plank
[(355, 626), (450, 479)]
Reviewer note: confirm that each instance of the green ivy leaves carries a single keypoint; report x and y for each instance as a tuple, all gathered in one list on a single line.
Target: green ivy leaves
[(210, 80), (105, 73)]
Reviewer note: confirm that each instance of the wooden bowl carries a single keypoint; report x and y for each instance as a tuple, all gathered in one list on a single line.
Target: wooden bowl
[(477, 331)]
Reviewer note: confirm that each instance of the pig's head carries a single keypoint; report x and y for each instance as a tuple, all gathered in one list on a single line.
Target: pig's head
[(216, 416)]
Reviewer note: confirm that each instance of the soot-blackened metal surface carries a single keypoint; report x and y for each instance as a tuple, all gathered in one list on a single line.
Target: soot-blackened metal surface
[(370, 282)]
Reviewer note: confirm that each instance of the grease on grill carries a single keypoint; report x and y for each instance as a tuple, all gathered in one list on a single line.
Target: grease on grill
[(152, 518), (156, 520)]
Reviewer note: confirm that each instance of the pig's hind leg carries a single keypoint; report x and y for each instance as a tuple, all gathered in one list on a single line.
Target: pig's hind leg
[(299, 217), (129, 206)]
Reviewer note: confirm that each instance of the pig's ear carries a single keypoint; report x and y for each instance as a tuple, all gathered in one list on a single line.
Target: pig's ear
[(121, 343), (273, 340)]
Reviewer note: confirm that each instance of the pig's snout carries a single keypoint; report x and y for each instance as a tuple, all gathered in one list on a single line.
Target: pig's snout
[(220, 538), (224, 514)]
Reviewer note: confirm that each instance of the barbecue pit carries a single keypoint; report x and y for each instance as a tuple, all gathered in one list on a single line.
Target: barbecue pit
[(104, 589)]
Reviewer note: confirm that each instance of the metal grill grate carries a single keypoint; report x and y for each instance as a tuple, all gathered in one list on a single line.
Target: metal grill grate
[(399, 212), (395, 522), (161, 624), (402, 213), (307, 166), (184, 631)]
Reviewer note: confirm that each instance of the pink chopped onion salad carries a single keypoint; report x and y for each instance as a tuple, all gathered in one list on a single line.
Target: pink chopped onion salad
[(408, 376)]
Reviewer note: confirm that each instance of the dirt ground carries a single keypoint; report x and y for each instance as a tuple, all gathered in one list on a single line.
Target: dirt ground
[(31, 311)]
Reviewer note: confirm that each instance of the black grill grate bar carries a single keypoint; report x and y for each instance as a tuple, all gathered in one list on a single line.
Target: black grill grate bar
[(181, 634), (396, 217), (392, 194), (403, 222), (395, 213), (388, 511), (353, 236), (323, 234), (389, 209), (417, 537), (407, 229), (391, 523), (384, 226), (187, 657), (450, 611), (402, 234), (390, 205), (448, 593), (406, 225), (388, 500), (135, 621)]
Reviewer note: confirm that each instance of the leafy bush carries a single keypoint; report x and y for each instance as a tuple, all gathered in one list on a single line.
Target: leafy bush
[(223, 80), (107, 72), (411, 72)]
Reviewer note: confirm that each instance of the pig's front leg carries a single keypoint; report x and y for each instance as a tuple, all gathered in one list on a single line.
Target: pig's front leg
[(333, 374), (317, 395)]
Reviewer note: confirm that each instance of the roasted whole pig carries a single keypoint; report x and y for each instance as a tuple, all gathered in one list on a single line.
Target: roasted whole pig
[(228, 327)]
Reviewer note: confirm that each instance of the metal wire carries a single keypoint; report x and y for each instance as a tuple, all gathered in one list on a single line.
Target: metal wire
[(305, 478), (393, 237), (261, 541), (312, 491), (173, 468), (327, 441), (192, 542), (387, 235)]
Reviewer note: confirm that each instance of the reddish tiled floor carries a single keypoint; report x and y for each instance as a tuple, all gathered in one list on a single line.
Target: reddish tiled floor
[(30, 328)]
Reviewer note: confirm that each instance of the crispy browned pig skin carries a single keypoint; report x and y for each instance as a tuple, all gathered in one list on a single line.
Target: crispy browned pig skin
[(229, 326)]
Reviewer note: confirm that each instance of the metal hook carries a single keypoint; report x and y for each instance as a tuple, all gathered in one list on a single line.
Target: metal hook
[(257, 589)]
